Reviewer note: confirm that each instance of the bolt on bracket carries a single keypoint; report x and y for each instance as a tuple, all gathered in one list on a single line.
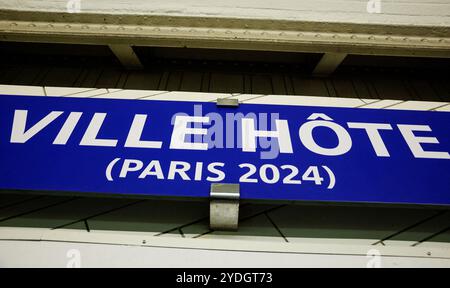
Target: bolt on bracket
[(227, 102)]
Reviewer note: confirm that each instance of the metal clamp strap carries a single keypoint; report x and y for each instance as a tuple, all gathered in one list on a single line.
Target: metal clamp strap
[(224, 206)]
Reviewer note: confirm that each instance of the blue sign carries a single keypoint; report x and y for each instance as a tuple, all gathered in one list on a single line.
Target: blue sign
[(168, 148)]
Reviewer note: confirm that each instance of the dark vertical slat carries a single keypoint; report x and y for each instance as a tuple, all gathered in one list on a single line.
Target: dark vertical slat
[(278, 84), (412, 93), (39, 80), (361, 89), (78, 77), (288, 83), (164, 80), (61, 76), (11, 74), (90, 77), (371, 88), (27, 75), (261, 84), (206, 82), (248, 84), (174, 81), (3, 71), (192, 81), (330, 88), (122, 81), (442, 89), (143, 80), (309, 86), (344, 88), (390, 88), (424, 90), (81, 77), (108, 78), (227, 83)]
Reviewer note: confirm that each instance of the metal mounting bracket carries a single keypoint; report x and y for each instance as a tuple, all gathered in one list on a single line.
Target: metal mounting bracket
[(224, 206), (227, 102)]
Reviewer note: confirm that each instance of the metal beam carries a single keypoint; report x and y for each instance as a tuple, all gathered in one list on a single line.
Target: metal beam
[(126, 56), (328, 63), (259, 38)]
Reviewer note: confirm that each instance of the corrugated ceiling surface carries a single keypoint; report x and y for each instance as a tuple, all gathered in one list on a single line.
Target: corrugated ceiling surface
[(287, 222)]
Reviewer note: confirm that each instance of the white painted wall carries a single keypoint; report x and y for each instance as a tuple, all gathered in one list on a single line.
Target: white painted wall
[(398, 12)]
